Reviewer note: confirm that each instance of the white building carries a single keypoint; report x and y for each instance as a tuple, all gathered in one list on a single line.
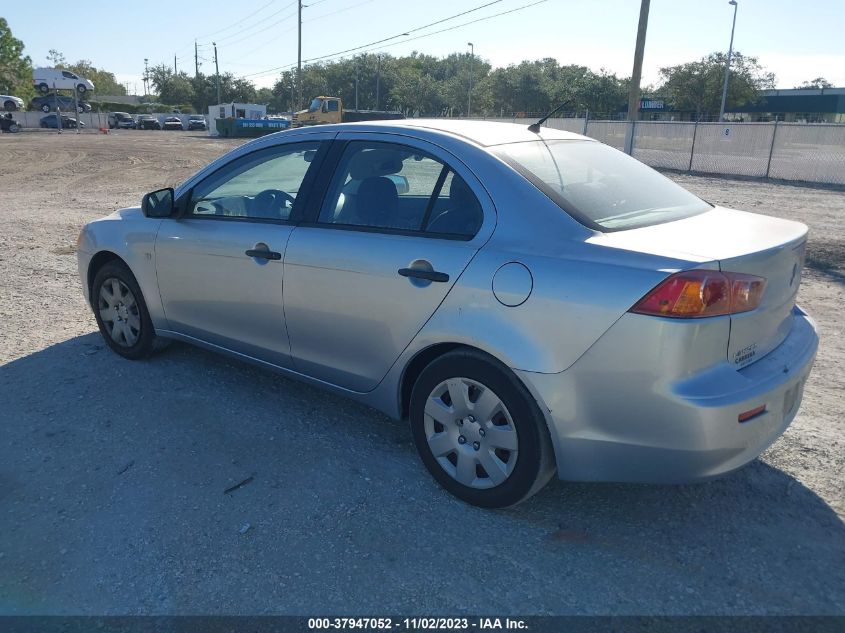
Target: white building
[(233, 111)]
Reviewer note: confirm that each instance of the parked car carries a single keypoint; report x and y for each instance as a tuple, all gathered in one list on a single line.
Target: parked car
[(8, 124), (47, 79), (173, 123), (197, 122), (49, 103), (10, 103), (121, 120), (148, 122), (531, 301), (67, 122)]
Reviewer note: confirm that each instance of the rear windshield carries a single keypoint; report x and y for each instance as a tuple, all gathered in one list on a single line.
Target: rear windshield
[(599, 186)]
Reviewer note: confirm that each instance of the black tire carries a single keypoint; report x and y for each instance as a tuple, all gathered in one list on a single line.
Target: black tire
[(81, 89), (45, 108), (14, 128), (10, 106), (535, 460), (43, 88), (146, 342)]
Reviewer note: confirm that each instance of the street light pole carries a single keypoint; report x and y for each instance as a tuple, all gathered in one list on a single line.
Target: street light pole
[(728, 66), (299, 55), (146, 77), (217, 72), (469, 96), (378, 78)]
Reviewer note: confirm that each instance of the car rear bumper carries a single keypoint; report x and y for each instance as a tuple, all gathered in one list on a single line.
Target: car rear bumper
[(612, 420)]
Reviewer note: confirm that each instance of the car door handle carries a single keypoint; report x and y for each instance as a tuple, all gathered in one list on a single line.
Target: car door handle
[(262, 254), (430, 275)]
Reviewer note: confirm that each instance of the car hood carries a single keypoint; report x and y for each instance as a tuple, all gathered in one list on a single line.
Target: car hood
[(129, 213)]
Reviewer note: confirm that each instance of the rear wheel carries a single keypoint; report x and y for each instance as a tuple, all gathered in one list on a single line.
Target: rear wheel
[(45, 108), (10, 106), (43, 88), (121, 312), (81, 89), (478, 430)]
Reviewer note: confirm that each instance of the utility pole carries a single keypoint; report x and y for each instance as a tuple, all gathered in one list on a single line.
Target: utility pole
[(728, 66), (174, 65), (636, 75), (356, 83), (299, 56), (146, 77), (378, 79), (217, 72), (469, 96), (196, 60)]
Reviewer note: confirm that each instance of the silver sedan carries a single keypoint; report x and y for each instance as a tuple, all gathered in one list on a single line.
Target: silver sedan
[(531, 301)]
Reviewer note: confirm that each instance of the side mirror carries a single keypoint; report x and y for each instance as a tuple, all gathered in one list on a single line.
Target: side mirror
[(158, 204)]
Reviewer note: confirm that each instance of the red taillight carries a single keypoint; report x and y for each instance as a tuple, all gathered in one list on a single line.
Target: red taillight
[(702, 293)]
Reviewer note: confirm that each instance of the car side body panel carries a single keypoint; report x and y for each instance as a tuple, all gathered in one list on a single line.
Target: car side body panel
[(130, 236)]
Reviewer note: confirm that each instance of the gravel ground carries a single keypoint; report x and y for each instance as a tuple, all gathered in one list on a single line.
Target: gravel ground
[(112, 473)]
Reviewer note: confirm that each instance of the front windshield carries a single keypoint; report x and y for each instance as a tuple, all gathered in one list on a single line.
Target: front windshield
[(600, 186), (315, 105)]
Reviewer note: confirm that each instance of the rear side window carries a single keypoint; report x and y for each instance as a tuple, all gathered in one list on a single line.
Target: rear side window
[(395, 187), (600, 186)]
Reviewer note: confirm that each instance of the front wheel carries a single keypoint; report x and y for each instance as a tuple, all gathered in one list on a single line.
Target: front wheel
[(10, 106), (121, 312), (43, 88), (81, 89), (45, 108), (478, 430)]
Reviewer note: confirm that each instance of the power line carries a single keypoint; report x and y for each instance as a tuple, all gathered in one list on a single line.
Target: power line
[(458, 26), (419, 28), (452, 28), (252, 26), (275, 36), (331, 13), (241, 21)]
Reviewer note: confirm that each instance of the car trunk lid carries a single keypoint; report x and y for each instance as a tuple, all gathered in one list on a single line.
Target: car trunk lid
[(738, 242)]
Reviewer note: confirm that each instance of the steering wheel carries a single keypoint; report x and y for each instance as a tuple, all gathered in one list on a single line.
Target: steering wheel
[(272, 203)]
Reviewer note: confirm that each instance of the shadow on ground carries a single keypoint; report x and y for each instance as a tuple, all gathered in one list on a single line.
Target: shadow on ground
[(112, 480)]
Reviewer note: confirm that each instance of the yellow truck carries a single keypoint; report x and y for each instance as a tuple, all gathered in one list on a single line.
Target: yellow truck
[(330, 110)]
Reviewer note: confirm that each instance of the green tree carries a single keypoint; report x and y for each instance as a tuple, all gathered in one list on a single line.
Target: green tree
[(697, 86), (15, 67), (817, 84)]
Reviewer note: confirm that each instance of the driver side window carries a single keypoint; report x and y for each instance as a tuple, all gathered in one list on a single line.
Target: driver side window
[(263, 185)]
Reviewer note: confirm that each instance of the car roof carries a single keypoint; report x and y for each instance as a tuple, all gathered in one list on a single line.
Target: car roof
[(485, 133)]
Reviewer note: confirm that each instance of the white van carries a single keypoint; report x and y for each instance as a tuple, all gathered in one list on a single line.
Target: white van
[(45, 79)]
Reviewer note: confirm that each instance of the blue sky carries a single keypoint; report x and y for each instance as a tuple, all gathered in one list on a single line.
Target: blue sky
[(796, 41)]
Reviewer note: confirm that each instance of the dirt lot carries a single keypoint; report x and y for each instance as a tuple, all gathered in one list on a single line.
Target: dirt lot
[(112, 473)]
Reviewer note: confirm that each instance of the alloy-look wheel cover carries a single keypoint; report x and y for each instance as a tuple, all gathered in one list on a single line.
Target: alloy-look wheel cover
[(470, 433), (119, 312)]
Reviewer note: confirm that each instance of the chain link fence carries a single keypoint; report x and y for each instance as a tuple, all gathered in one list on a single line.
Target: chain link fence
[(804, 152)]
